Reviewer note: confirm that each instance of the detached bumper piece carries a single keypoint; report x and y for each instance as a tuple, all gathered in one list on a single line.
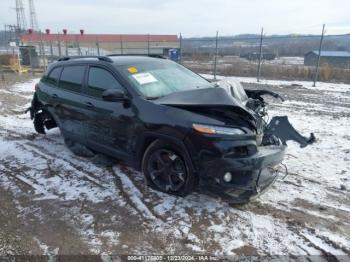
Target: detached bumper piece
[(280, 127), (251, 176)]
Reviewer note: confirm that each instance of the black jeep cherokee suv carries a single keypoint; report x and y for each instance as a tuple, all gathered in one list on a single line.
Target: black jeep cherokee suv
[(175, 126)]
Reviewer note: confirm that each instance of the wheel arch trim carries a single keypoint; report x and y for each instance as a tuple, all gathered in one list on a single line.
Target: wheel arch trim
[(147, 138)]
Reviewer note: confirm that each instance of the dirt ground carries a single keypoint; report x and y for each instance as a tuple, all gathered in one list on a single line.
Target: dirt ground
[(55, 203)]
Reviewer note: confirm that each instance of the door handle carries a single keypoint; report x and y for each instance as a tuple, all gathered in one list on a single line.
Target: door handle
[(54, 96), (89, 104)]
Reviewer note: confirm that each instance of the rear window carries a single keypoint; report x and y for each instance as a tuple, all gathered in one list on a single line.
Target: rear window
[(72, 78), (53, 77)]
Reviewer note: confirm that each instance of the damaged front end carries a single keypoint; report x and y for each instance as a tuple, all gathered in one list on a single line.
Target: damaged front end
[(236, 167), (279, 127), (251, 173)]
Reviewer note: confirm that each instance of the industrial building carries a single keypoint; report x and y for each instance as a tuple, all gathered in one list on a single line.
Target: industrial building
[(332, 58), (102, 44)]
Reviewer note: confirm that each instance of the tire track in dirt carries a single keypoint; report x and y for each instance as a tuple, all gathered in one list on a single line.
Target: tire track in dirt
[(61, 165), (34, 212), (142, 191), (305, 182), (19, 175), (15, 135), (329, 256), (324, 184), (57, 232), (45, 153), (133, 195), (137, 203), (49, 156), (298, 220), (35, 187)]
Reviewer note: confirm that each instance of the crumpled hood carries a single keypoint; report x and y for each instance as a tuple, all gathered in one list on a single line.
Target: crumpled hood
[(209, 101), (203, 97)]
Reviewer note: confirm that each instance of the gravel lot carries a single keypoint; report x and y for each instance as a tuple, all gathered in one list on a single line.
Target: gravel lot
[(53, 202)]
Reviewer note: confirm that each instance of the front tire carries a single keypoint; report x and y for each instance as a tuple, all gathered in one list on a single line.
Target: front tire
[(167, 168)]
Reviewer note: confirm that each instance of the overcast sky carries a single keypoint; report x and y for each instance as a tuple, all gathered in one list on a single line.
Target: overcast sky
[(191, 17)]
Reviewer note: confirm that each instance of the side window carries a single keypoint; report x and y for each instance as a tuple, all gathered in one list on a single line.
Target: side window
[(53, 77), (72, 78), (99, 81)]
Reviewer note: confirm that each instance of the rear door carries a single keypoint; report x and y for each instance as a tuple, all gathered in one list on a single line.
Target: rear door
[(49, 85), (68, 102), (109, 125)]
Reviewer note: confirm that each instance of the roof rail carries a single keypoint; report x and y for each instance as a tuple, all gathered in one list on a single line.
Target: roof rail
[(154, 56), (101, 58)]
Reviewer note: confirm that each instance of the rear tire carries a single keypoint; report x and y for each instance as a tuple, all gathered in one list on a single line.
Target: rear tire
[(39, 123), (167, 168)]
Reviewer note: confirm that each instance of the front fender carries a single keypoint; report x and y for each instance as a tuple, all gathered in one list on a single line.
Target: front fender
[(281, 128)]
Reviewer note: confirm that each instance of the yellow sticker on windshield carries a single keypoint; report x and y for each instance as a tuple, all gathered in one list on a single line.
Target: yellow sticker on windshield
[(132, 70)]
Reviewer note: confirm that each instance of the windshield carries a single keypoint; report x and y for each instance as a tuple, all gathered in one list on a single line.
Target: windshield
[(162, 77)]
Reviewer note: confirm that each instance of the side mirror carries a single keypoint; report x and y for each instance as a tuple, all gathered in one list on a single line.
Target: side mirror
[(114, 95)]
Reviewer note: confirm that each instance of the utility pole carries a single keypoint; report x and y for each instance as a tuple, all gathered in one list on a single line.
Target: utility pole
[(121, 45), (260, 55), (319, 55), (59, 45), (148, 44), (66, 47), (33, 16), (43, 50), (51, 52), (78, 45), (180, 55), (216, 54), (31, 60), (98, 46)]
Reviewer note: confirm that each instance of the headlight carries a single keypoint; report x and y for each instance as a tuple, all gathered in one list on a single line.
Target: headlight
[(206, 129)]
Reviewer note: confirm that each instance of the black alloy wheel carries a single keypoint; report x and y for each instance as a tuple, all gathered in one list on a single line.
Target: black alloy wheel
[(167, 168)]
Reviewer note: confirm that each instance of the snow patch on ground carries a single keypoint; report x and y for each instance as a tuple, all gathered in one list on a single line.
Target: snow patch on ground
[(26, 87)]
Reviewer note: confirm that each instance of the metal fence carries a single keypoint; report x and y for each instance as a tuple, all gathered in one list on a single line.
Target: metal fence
[(36, 55), (260, 56), (290, 57)]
